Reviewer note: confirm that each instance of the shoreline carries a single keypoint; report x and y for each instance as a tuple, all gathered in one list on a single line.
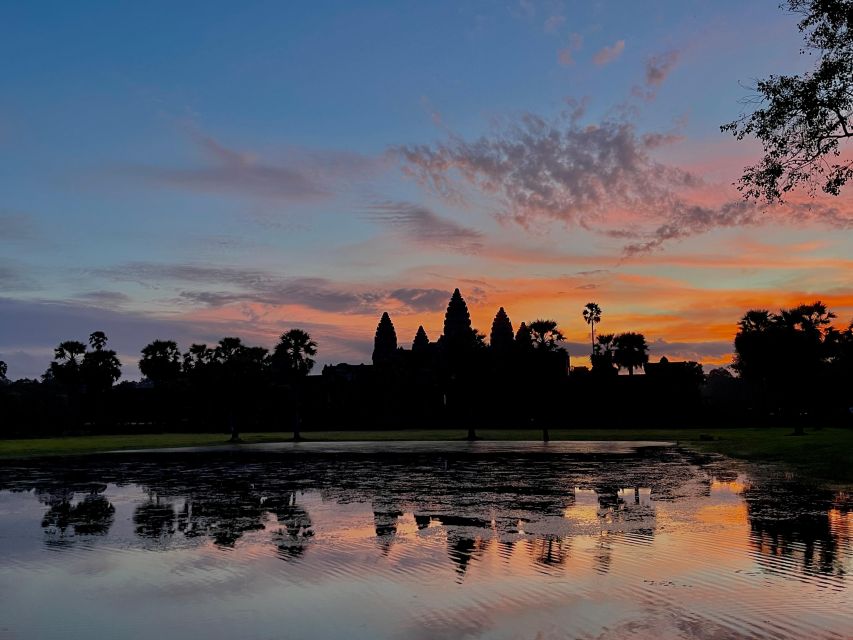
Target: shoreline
[(824, 455)]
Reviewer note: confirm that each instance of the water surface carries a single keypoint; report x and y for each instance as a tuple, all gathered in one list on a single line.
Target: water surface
[(420, 540)]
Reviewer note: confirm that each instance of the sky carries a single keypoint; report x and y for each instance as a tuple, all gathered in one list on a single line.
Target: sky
[(189, 171)]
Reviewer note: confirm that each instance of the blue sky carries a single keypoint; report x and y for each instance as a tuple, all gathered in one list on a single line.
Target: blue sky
[(209, 169)]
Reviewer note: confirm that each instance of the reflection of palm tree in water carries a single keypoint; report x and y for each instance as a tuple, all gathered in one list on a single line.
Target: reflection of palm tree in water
[(223, 516), (794, 523), (550, 550), (93, 515), (154, 519)]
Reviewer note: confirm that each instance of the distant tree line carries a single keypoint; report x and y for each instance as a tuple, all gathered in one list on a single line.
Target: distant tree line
[(790, 367)]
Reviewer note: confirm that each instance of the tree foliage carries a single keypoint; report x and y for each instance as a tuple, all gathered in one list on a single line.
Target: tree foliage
[(545, 335), (801, 120), (630, 351), (100, 366), (770, 344), (293, 356), (592, 316), (161, 362)]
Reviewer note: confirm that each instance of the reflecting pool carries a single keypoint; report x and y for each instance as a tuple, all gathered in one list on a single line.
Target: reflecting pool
[(420, 541)]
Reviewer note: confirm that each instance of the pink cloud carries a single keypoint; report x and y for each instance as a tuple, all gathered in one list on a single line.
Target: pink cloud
[(565, 55), (609, 53)]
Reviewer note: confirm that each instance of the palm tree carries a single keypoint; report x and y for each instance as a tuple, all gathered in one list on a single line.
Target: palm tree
[(160, 362), (630, 351), (67, 352), (592, 315), (602, 352), (545, 334), (98, 340), (67, 360), (293, 353), (292, 360), (100, 367)]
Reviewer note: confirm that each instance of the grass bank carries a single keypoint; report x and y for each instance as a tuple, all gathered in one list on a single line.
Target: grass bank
[(825, 454)]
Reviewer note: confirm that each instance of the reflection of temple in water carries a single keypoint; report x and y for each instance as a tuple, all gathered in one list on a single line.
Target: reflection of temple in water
[(538, 510)]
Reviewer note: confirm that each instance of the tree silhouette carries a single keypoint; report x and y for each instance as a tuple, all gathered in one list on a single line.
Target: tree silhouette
[(501, 337), (196, 357), (385, 341), (602, 353), (545, 335), (783, 355), (160, 362), (238, 372), (100, 366), (630, 351), (804, 118), (293, 355), (592, 316), (3, 369), (292, 360), (67, 360)]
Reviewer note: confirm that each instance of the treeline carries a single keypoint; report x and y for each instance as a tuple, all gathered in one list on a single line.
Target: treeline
[(791, 367), (221, 388), (795, 364)]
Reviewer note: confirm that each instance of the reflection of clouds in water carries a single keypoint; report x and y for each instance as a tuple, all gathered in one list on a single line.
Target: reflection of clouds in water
[(574, 543)]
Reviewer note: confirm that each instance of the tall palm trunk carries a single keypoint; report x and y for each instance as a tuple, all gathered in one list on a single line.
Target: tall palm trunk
[(297, 436), (235, 430), (592, 335)]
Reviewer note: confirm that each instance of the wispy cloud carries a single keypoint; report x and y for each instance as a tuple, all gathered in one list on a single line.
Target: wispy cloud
[(17, 227), (14, 278), (423, 226), (560, 170), (106, 299), (659, 66), (565, 56), (216, 286), (608, 54), (606, 177), (301, 175)]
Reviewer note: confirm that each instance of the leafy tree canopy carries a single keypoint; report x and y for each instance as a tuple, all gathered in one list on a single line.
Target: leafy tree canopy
[(293, 355), (545, 334), (802, 120), (161, 361), (630, 351)]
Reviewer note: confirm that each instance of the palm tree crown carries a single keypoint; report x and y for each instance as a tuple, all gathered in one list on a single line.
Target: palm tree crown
[(592, 315), (293, 352), (630, 351)]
